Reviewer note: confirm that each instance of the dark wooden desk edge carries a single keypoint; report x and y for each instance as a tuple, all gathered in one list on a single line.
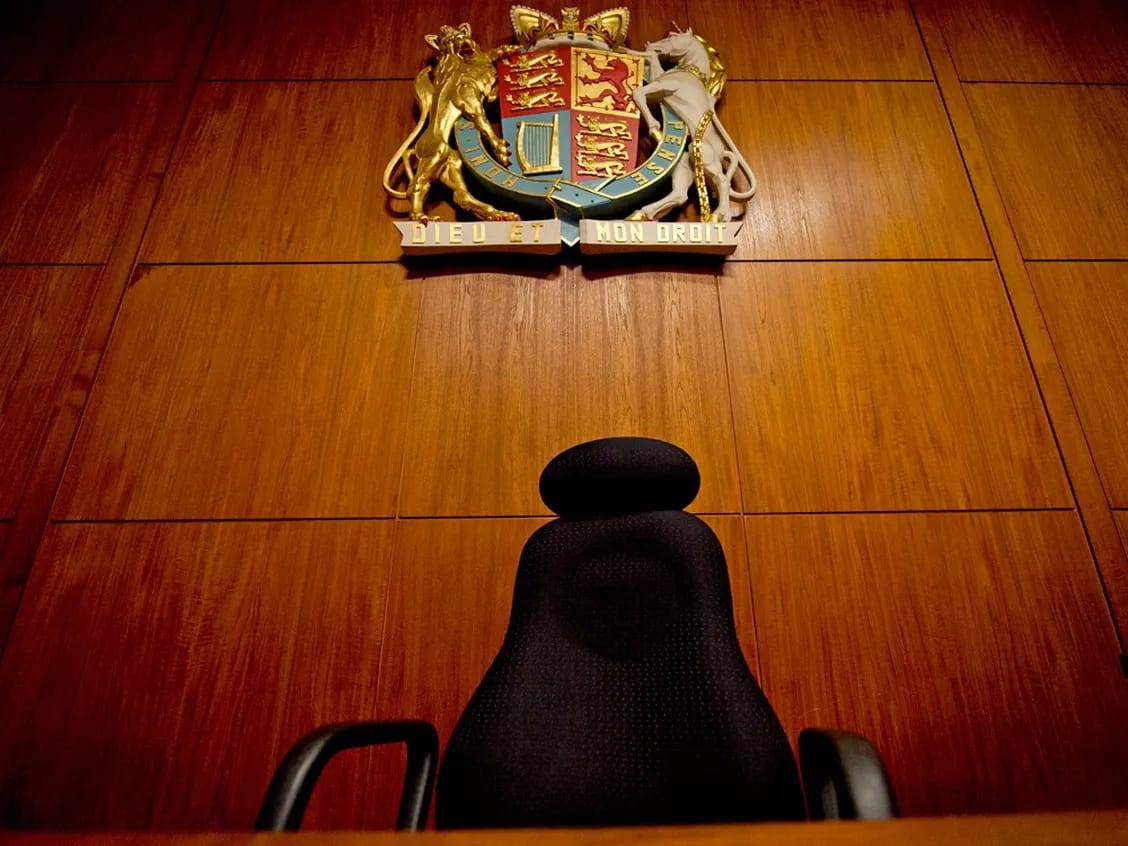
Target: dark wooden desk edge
[(1098, 827)]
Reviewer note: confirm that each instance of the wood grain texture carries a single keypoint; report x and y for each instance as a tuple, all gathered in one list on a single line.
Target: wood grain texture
[(852, 170), (1060, 157), (510, 371), (9, 593), (883, 386), (448, 607), (160, 670), (975, 650), (1100, 828), (1084, 478), (1086, 308), (282, 172), (94, 40), (1036, 40), (71, 156), (1122, 521), (275, 391), (42, 314), (341, 39), (39, 491), (815, 39), (729, 530)]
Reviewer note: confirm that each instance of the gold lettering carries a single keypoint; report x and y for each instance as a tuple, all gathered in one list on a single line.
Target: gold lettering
[(695, 233), (640, 177), (636, 233), (677, 124), (477, 160), (663, 233), (537, 227), (454, 231), (418, 233), (516, 233), (619, 229), (655, 168), (602, 231), (493, 171), (509, 181), (668, 155), (478, 231), (678, 231)]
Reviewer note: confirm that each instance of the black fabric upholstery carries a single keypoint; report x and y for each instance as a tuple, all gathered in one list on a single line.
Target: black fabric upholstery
[(619, 476), (620, 694)]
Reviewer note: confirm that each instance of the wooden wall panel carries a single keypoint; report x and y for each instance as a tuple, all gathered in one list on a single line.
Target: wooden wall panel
[(976, 650), (158, 671), (1086, 309), (852, 170), (70, 161), (9, 593), (275, 391), (1122, 522), (883, 386), (816, 39), (306, 39), (1058, 156), (94, 39), (1036, 40), (729, 530), (282, 172), (42, 312), (510, 371)]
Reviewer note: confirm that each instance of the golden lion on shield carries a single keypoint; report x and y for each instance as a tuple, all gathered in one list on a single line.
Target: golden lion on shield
[(462, 79)]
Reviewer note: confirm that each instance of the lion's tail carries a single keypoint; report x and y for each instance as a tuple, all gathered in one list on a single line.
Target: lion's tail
[(399, 166)]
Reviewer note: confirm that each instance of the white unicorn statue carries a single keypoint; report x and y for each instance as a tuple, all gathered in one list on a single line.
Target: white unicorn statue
[(712, 161)]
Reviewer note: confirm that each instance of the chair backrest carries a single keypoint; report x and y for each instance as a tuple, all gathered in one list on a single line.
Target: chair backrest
[(620, 694)]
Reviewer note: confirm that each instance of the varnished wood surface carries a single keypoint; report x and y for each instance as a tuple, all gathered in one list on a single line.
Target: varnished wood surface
[(852, 170), (729, 530), (815, 39), (95, 39), (282, 172), (42, 312), (989, 628), (1036, 40), (70, 154), (1058, 155), (342, 39), (883, 386), (275, 391), (268, 172), (1084, 479), (1086, 308), (171, 665), (1122, 521), (9, 595), (39, 492), (513, 369), (1105, 828)]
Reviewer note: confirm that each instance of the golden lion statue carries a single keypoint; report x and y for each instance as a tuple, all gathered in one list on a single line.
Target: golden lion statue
[(460, 82)]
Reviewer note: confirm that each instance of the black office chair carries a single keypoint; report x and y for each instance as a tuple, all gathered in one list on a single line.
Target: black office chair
[(620, 694)]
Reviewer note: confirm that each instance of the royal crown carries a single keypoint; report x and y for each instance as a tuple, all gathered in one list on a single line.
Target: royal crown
[(531, 25)]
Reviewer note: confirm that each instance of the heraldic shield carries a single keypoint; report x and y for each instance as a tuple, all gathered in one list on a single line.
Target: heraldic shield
[(575, 134)]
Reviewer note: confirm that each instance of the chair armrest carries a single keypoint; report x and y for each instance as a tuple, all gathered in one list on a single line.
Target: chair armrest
[(293, 782), (843, 777)]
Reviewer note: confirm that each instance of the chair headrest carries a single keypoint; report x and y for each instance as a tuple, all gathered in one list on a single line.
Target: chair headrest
[(613, 476)]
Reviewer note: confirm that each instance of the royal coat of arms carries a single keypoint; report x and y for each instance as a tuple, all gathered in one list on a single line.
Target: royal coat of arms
[(570, 137)]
